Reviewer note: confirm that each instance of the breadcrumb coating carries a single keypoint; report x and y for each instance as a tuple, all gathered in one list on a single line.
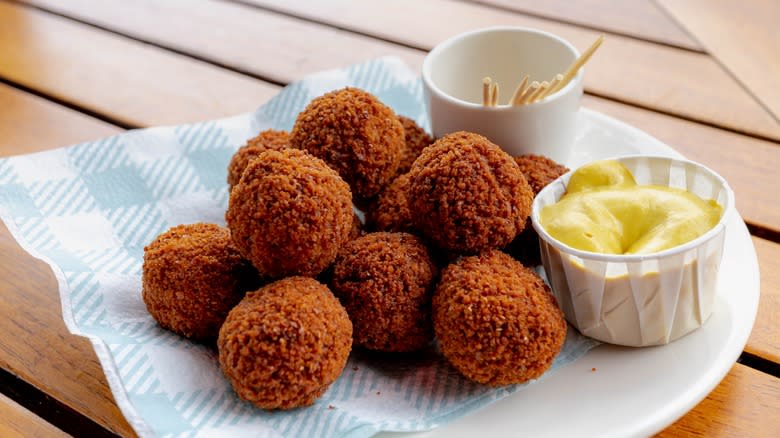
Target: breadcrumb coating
[(390, 210), (385, 281), (357, 227), (266, 140), (192, 276), (539, 171), (496, 321), (283, 345), (416, 140), (467, 195), (290, 213), (354, 133)]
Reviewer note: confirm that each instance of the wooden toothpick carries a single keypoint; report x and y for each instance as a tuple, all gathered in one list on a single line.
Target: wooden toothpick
[(578, 63), (486, 82), (519, 91)]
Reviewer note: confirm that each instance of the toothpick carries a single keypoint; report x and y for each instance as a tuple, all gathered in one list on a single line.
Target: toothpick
[(542, 88), (494, 94), (519, 91), (528, 92), (578, 63), (486, 81), (553, 83)]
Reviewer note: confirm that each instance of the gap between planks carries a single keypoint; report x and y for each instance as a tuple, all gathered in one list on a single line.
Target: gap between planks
[(543, 10)]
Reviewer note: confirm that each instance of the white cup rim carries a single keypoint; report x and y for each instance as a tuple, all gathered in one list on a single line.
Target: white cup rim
[(634, 258), (429, 59)]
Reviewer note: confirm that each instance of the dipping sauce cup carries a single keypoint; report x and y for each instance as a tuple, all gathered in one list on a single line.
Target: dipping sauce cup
[(639, 299), (452, 79)]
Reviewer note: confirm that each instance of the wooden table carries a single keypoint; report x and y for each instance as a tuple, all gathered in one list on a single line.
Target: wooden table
[(701, 78)]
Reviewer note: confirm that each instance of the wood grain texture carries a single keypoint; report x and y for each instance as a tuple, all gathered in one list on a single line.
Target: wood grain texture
[(747, 172), (742, 36), (744, 404), (36, 345), (270, 45), (674, 81), (638, 18), (748, 164), (765, 339), (120, 78), (18, 422), (26, 120)]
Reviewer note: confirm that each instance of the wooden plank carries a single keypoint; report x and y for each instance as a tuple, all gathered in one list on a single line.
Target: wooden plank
[(36, 345), (270, 45), (765, 339), (18, 422), (65, 367), (122, 79), (743, 37), (172, 23), (638, 18), (748, 164), (26, 120), (744, 404), (679, 82)]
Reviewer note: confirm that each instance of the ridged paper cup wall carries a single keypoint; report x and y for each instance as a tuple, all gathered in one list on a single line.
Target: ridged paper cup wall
[(640, 299)]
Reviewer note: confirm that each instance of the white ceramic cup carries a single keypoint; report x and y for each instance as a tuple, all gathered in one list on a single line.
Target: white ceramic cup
[(452, 77)]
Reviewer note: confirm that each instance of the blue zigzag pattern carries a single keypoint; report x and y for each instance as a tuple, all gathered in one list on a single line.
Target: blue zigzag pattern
[(98, 156), (62, 197), (137, 225), (201, 136), (169, 177)]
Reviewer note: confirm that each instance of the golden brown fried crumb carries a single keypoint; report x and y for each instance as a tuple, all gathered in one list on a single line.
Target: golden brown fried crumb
[(390, 210), (539, 170), (266, 140), (192, 276), (416, 140), (385, 281), (283, 345), (496, 321), (290, 213), (357, 227), (354, 133), (467, 195)]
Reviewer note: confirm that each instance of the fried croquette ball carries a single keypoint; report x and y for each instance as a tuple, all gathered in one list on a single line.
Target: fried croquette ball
[(357, 227), (283, 345), (416, 140), (354, 133), (385, 281), (539, 170), (390, 211), (192, 276), (290, 213), (496, 321), (467, 195), (266, 140)]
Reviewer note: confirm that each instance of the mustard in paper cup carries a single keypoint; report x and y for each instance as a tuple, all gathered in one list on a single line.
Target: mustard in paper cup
[(639, 299)]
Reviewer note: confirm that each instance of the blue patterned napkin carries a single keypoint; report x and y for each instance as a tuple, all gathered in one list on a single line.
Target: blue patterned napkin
[(89, 209)]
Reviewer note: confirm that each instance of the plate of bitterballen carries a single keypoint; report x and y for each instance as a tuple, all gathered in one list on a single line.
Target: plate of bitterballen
[(443, 253), (325, 267)]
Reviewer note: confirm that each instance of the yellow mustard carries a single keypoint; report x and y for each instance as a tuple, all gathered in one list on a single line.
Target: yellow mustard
[(604, 210)]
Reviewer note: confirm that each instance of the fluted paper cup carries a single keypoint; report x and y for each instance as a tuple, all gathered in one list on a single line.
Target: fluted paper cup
[(639, 299)]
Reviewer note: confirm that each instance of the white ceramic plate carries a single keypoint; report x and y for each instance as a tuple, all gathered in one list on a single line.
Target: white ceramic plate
[(622, 391)]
